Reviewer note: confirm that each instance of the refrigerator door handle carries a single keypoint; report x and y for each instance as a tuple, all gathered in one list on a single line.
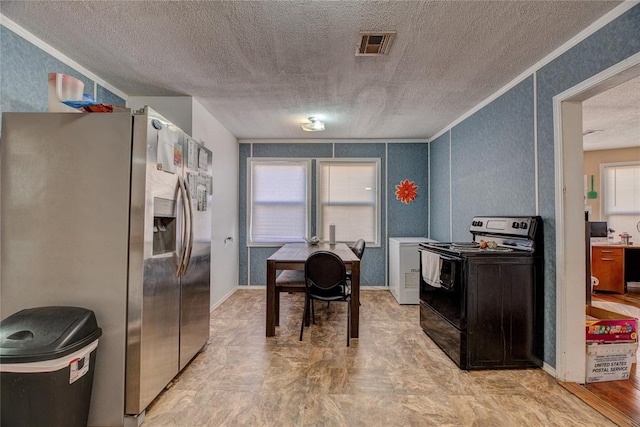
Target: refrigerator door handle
[(183, 249), (190, 246)]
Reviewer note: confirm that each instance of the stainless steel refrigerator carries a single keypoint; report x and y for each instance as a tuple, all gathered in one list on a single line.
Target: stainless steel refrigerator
[(111, 212)]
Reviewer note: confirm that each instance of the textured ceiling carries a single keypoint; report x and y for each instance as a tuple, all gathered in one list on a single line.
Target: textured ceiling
[(262, 67), (612, 118)]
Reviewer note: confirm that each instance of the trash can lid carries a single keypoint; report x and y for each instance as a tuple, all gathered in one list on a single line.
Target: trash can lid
[(45, 333)]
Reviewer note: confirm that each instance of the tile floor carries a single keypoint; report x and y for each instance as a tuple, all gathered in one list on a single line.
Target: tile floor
[(393, 375)]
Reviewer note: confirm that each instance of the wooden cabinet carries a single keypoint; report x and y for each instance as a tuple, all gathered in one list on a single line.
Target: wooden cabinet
[(607, 264), (504, 328)]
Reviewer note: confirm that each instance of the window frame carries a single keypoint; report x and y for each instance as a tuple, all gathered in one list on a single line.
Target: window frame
[(249, 202), (378, 204)]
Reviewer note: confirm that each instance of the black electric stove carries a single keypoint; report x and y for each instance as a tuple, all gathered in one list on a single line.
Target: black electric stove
[(482, 301)]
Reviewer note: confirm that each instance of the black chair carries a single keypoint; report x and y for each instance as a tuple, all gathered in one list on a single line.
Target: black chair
[(358, 249), (326, 280)]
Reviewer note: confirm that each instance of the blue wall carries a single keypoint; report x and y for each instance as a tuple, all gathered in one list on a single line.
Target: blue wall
[(407, 161), (495, 148), (440, 188), (399, 161), (493, 165), (24, 76)]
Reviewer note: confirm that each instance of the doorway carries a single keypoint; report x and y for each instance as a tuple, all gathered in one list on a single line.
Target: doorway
[(571, 247)]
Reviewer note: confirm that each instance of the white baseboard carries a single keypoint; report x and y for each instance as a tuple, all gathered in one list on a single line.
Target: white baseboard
[(223, 299), (549, 369)]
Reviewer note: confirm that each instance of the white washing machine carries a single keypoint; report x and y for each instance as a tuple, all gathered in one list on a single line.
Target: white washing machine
[(404, 268)]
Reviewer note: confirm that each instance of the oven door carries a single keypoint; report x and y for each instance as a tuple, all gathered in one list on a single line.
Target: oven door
[(442, 285)]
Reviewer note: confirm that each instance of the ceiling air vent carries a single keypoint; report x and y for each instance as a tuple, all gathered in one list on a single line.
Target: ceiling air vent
[(375, 43)]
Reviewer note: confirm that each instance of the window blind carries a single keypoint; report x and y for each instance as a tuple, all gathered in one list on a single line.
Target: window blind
[(279, 201), (622, 189), (348, 198)]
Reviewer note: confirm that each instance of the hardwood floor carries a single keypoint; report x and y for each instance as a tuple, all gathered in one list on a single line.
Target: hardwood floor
[(624, 395), (393, 375)]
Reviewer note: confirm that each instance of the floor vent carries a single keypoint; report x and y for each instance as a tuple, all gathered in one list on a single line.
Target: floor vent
[(375, 43)]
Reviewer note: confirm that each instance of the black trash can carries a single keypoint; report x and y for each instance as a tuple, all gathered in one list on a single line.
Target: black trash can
[(47, 361)]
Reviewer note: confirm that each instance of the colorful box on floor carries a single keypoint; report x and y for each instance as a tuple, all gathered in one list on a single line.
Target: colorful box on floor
[(604, 326), (612, 342)]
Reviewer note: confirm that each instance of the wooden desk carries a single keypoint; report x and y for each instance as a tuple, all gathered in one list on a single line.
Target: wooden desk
[(292, 256), (614, 265)]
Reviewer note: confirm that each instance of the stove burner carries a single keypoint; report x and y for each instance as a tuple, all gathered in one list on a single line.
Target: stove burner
[(437, 244), (498, 249), (465, 245)]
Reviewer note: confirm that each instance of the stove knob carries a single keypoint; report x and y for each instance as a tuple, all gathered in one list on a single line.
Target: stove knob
[(523, 225), (515, 225), (480, 223)]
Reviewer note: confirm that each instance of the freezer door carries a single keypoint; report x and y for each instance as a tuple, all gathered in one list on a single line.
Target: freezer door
[(155, 248), (195, 286)]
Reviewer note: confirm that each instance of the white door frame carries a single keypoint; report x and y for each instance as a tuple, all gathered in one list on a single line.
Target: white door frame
[(569, 211)]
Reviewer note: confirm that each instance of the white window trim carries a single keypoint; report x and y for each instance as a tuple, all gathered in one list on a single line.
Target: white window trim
[(250, 160), (377, 161)]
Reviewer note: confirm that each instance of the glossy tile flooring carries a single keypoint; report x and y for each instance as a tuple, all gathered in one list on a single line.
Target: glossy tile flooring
[(393, 375)]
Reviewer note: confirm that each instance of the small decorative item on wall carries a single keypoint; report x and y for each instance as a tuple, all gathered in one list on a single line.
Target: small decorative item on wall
[(592, 194), (406, 191)]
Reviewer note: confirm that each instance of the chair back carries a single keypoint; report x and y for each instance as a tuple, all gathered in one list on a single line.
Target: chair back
[(325, 273), (358, 248)]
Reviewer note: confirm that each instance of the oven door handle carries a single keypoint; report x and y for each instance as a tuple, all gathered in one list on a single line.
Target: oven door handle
[(449, 258)]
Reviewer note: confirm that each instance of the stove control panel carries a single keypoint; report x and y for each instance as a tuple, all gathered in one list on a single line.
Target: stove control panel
[(522, 225), (512, 226)]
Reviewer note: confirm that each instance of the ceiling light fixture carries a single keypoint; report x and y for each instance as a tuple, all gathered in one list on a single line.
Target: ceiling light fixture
[(314, 125)]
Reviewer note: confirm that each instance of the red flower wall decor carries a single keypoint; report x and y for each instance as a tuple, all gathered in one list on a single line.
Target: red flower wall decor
[(406, 191)]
